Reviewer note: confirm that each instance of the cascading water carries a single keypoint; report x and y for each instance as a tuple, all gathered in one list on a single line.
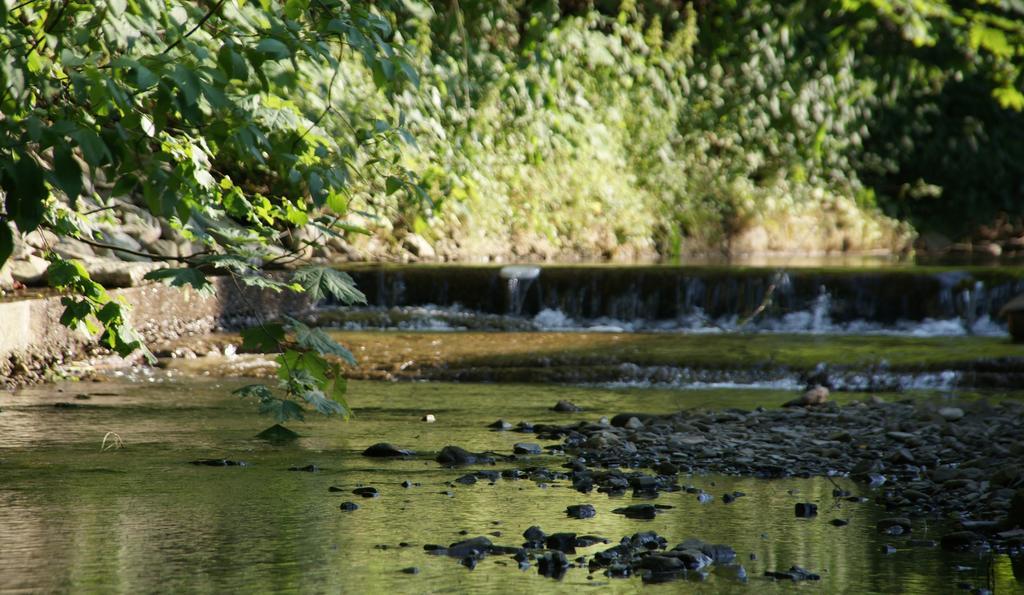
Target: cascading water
[(517, 282)]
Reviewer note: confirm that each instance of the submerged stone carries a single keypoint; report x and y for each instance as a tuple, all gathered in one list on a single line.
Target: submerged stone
[(384, 450), (278, 433), (218, 463)]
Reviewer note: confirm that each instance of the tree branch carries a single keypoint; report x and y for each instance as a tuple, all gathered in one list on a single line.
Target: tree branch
[(201, 22)]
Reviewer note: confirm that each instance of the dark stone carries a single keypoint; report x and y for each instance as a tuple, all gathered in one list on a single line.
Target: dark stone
[(218, 463), (308, 468), (500, 425), (64, 405), (552, 564), (454, 455), (894, 526), (581, 511), (720, 553), (366, 492), (839, 522), (638, 511), (468, 479), (960, 541), (566, 407), (383, 450), (888, 549), (278, 434), (806, 510), (795, 573), (526, 448), (407, 484), (411, 570), (662, 564), (349, 506), (335, 489), (589, 540), (565, 542), (535, 537), (475, 547)]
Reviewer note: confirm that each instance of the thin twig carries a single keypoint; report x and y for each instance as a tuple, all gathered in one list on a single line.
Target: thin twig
[(201, 22)]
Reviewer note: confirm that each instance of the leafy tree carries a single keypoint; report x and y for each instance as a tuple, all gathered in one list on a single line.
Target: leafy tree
[(213, 114)]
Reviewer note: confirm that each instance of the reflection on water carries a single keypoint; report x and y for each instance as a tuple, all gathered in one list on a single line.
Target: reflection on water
[(141, 519)]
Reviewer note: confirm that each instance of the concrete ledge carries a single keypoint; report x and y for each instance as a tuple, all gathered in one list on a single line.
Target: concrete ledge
[(32, 339)]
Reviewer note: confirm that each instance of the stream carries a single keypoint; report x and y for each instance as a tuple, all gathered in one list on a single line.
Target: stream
[(470, 347)]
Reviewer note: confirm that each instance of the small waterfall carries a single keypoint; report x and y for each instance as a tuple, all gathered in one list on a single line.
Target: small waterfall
[(517, 282), (820, 312)]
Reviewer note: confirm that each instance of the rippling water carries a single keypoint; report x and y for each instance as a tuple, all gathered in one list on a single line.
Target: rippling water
[(141, 519)]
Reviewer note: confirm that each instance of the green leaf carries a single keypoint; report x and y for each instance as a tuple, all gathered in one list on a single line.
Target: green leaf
[(273, 49), (393, 184), (320, 342), (264, 338), (320, 282), (23, 182), (94, 150), (188, 83), (182, 277), (67, 172)]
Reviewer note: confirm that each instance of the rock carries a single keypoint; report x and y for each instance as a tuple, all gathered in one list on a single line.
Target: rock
[(468, 479), (278, 434), (454, 455), (535, 537), (500, 425), (28, 269), (411, 570), (526, 448), (112, 273), (658, 563), (634, 423), (641, 511), (428, 418), (476, 547), (307, 468), (565, 542), (951, 413), (565, 407), (959, 541), (349, 506), (552, 564), (218, 463), (816, 395), (385, 450), (839, 522), (418, 246), (806, 510), (367, 492), (581, 511), (1015, 518), (894, 526), (795, 573)]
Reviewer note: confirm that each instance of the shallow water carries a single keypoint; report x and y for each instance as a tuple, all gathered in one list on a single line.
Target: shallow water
[(142, 519)]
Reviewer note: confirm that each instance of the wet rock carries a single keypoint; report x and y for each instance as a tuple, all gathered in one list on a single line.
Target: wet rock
[(407, 484), (816, 395), (795, 573), (307, 468), (526, 448), (1015, 518), (731, 572), (468, 479), (565, 542), (278, 434), (894, 526), (384, 450), (552, 564), (662, 563), (349, 506), (500, 425), (581, 511), (411, 570), (428, 418), (535, 537), (806, 510), (475, 547), (888, 549), (951, 413), (218, 463), (641, 511), (367, 492), (454, 455), (563, 406), (839, 522), (959, 541)]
